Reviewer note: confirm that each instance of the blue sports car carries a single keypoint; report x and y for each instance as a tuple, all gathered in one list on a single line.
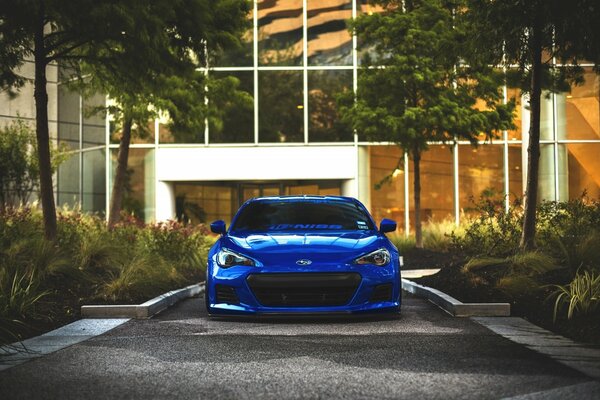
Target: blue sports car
[(302, 255)]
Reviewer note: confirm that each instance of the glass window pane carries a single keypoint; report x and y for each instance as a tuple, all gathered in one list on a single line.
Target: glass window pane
[(68, 117), (583, 170), (280, 32), (329, 41), (324, 124), (138, 196), (235, 124), (204, 202), (581, 109), (364, 7), (515, 94), (281, 116), (437, 185), (139, 134), (515, 172), (68, 182), (94, 181), (238, 57), (94, 121), (387, 195), (546, 181), (480, 174)]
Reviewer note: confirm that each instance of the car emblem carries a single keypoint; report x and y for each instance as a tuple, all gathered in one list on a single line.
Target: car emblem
[(303, 262)]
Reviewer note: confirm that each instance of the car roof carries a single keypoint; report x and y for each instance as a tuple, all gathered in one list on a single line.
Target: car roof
[(305, 197)]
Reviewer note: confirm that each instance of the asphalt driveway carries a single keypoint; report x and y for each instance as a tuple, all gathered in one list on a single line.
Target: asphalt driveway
[(425, 353)]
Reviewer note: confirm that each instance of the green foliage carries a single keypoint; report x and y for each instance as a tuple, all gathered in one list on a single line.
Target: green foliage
[(19, 168), (437, 236), (494, 232), (571, 232), (90, 263), (518, 275), (402, 242), (582, 295)]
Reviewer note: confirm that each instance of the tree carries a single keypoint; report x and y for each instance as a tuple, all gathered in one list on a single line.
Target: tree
[(529, 37), (54, 31), (19, 168), (413, 88), (131, 41), (157, 72)]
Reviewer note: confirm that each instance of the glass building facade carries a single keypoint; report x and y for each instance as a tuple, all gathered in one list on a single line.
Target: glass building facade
[(296, 58)]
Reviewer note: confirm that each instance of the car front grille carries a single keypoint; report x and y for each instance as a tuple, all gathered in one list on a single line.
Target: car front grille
[(305, 289)]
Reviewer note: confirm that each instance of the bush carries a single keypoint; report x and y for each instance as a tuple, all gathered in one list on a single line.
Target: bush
[(518, 275), (90, 263), (437, 236), (495, 232)]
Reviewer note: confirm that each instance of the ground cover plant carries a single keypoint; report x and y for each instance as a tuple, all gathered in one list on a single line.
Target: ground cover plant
[(43, 283), (556, 285)]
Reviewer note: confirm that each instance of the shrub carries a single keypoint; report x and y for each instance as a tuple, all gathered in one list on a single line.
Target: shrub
[(402, 242), (494, 232), (89, 262), (571, 232), (517, 275), (582, 295)]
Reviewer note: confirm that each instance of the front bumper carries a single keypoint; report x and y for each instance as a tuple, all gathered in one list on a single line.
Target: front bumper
[(318, 289)]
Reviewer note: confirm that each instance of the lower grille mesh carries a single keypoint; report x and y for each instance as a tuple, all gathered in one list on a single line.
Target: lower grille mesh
[(304, 290), (226, 294)]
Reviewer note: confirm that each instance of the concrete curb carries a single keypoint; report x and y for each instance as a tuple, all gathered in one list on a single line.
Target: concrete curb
[(144, 310), (454, 307)]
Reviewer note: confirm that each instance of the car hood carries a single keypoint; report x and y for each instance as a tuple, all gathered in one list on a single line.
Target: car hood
[(318, 247)]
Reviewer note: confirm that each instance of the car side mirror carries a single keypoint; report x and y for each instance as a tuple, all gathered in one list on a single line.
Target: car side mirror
[(219, 227), (387, 225)]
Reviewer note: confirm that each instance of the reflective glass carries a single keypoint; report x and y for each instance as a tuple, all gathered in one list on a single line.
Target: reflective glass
[(94, 121), (515, 172), (546, 181), (139, 134), (515, 134), (94, 181), (581, 109), (139, 191), (329, 41), (387, 183), (237, 57), (583, 170), (480, 174), (202, 203), (437, 184), (364, 7), (235, 122), (68, 117), (280, 32), (281, 116), (324, 123), (68, 180)]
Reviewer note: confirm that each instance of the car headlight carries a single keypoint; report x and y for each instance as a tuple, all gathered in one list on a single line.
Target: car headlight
[(378, 257), (227, 258)]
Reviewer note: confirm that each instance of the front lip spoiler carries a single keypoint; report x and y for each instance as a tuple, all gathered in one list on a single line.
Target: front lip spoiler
[(387, 313)]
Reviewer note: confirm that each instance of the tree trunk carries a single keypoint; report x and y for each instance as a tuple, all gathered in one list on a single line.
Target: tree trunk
[(116, 198), (417, 194), (42, 133), (533, 150)]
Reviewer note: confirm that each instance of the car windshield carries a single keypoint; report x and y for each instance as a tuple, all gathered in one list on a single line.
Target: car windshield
[(301, 216)]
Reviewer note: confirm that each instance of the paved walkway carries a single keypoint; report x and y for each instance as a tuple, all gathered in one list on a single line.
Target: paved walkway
[(425, 353)]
